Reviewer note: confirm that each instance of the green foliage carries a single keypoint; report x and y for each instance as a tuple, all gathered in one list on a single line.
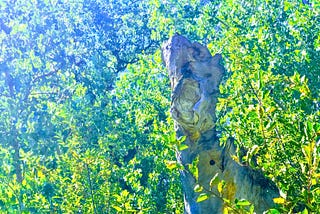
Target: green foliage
[(142, 105), (273, 110), (84, 99), (80, 137), (193, 19), (270, 102)]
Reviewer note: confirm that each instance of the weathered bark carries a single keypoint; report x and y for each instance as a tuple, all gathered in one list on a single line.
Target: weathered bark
[(195, 77)]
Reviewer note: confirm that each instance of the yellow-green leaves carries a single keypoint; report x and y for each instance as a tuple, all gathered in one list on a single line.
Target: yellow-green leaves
[(221, 186), (279, 200), (182, 147), (214, 181), (300, 84), (198, 188), (193, 167), (273, 211), (288, 5), (119, 209), (309, 152), (181, 143), (171, 164), (242, 202), (203, 197)]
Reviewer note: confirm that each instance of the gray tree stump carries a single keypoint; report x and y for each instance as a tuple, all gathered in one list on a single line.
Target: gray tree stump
[(195, 77)]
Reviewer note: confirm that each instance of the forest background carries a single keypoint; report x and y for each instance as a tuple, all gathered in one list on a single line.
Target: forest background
[(84, 100)]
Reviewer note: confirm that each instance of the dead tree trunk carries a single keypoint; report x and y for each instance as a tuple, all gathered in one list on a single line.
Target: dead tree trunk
[(195, 77)]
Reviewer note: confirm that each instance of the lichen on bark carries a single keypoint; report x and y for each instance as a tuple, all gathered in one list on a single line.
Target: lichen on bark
[(195, 77)]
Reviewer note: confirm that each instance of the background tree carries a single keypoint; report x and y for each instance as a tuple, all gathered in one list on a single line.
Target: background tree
[(82, 131), (270, 100), (67, 144)]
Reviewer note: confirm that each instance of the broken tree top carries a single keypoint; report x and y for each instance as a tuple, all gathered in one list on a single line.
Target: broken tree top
[(195, 77)]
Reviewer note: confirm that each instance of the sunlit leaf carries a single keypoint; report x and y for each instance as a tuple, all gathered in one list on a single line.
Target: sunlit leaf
[(119, 209), (171, 164), (198, 188), (221, 186), (182, 139), (279, 200), (227, 210), (203, 197), (182, 147), (243, 203), (194, 167), (40, 174), (273, 211), (214, 181)]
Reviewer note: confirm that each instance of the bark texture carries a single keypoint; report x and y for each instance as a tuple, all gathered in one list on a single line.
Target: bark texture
[(195, 77)]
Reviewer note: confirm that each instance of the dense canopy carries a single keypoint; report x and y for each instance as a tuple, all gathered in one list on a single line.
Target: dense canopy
[(84, 101)]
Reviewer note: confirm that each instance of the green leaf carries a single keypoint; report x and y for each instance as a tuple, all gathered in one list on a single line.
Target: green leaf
[(119, 209), (171, 164), (194, 167), (182, 138), (182, 147), (172, 138), (198, 188), (214, 181), (308, 150), (221, 186), (203, 197), (243, 202), (279, 200), (251, 209), (273, 211)]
